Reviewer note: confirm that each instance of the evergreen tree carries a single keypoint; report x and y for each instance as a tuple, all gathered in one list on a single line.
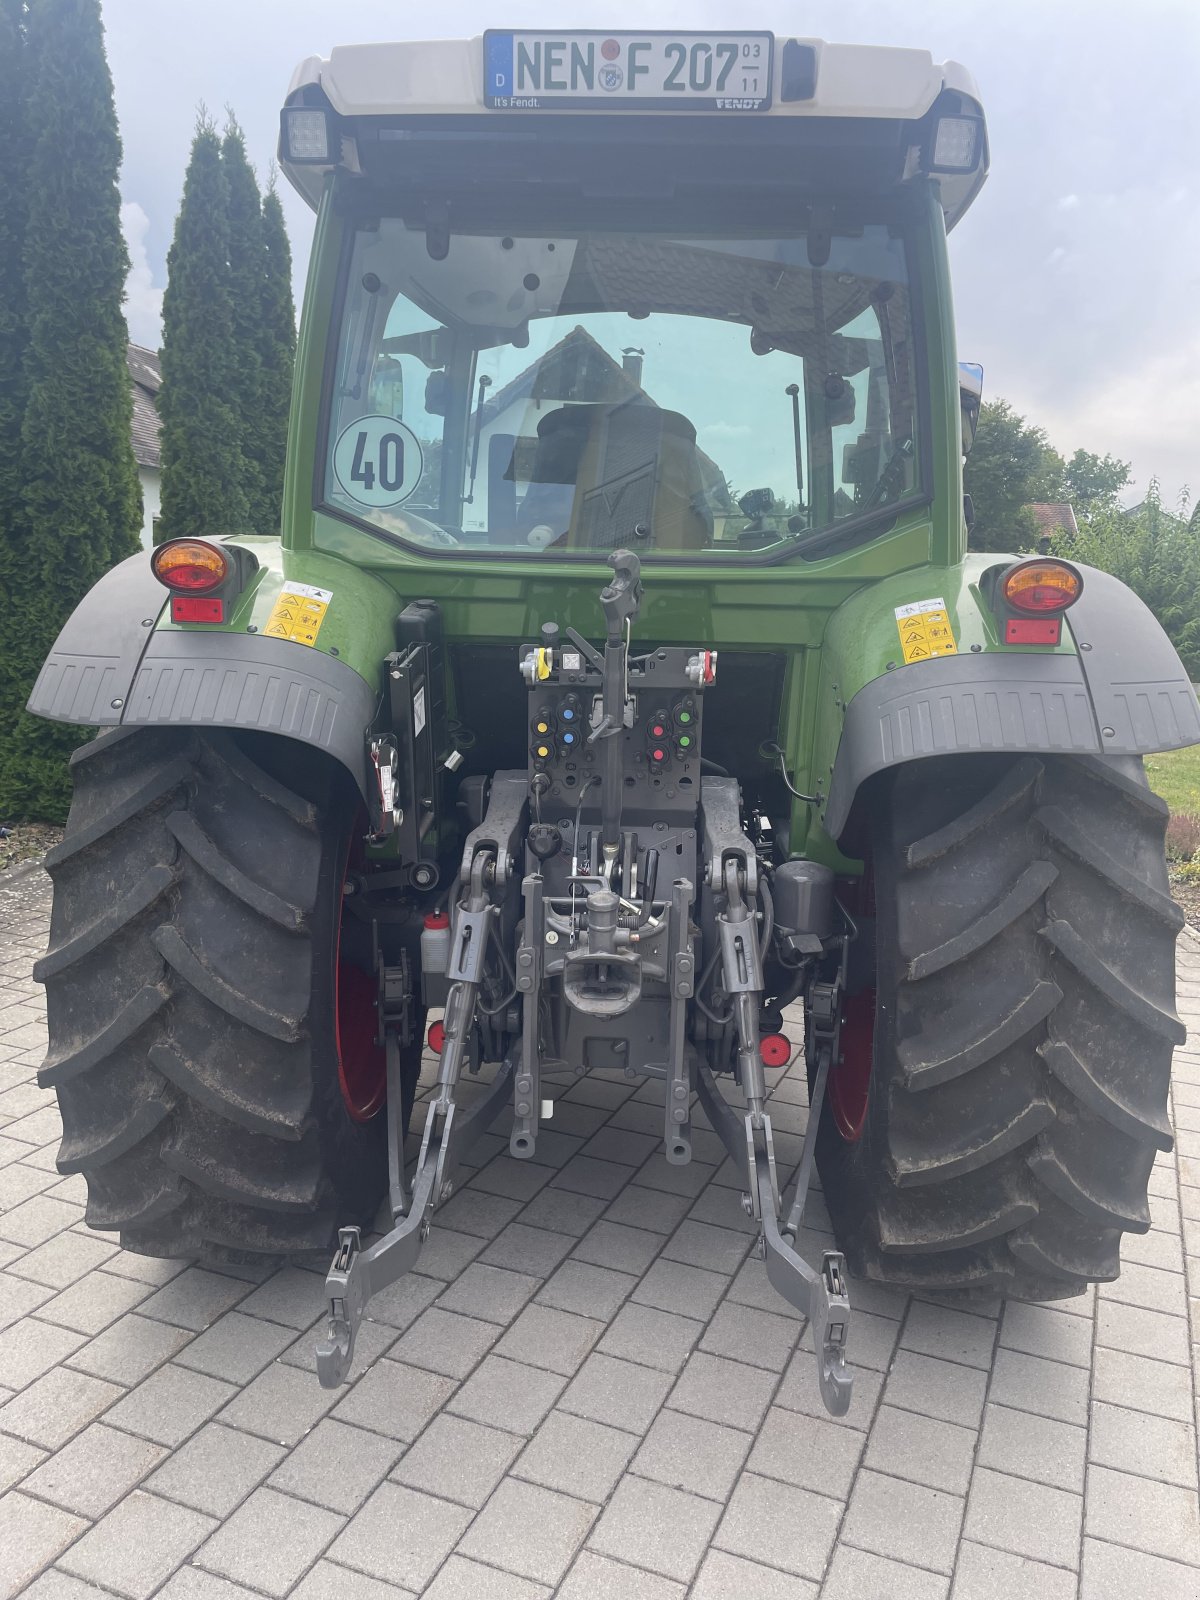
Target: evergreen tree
[(80, 499), (246, 250), (1011, 464), (277, 347), (202, 467)]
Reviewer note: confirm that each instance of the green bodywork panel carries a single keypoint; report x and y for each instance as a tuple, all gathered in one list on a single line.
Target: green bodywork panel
[(832, 618)]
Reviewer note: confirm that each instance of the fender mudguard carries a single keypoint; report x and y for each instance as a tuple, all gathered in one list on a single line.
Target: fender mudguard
[(1122, 690), (114, 665)]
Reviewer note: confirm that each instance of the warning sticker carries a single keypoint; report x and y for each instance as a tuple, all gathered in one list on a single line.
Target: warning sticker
[(298, 613), (925, 630)]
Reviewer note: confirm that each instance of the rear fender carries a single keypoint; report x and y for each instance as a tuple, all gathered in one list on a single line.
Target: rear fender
[(1114, 686), (120, 661)]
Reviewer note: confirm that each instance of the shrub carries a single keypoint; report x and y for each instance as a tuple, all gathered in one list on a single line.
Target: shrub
[(1183, 836)]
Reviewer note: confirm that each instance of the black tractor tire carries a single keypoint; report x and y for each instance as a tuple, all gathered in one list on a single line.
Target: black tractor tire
[(191, 997), (1024, 1025)]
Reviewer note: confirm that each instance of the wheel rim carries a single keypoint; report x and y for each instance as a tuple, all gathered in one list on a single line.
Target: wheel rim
[(849, 1087), (362, 1061)]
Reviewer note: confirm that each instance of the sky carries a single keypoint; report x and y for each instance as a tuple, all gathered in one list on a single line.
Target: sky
[(1076, 272)]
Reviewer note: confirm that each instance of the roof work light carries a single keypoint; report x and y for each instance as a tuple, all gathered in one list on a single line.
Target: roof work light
[(956, 145), (306, 135)]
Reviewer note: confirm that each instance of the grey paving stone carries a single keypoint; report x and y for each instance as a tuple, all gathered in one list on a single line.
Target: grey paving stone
[(752, 1287), (589, 1291), (62, 1260), (1154, 1249), (652, 1209), (903, 1521), (690, 1291), (616, 1392), (236, 1347), (56, 1585), (447, 1252), (779, 1525), (596, 1091), (983, 1573), (16, 1459), (458, 1460), (659, 1173), (91, 1473), (1045, 1388), (461, 1579), (402, 1303), (137, 1545), (1034, 1447), (329, 1581), (216, 1469), (336, 1466), (18, 1298), (1026, 1518), (1111, 1572), (507, 1394), (536, 1251), (1045, 1331), (56, 1406), (29, 1348), (922, 1450), (723, 1391), (401, 1536), (576, 1455), (1158, 1387), (815, 1453), (493, 1294), (171, 1404), (473, 1211), (1155, 1447), (37, 1219), (616, 1245), (1159, 1518), (860, 1575), (560, 1211), (1151, 1287), (154, 1270), (93, 1302), (700, 1244), (195, 1299), (759, 1338), (443, 1342), (653, 1338), (596, 1577), (392, 1399), (1141, 1332), (690, 1453), (663, 1530), (556, 1340), (269, 1542), (530, 1530), (623, 1145), (584, 1175), (512, 1180), (951, 1335), (31, 1535), (726, 1577)]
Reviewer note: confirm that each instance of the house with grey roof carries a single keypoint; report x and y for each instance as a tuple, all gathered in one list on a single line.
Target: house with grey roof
[(145, 376)]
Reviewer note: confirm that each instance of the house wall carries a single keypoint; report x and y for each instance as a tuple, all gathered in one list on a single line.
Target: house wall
[(150, 480)]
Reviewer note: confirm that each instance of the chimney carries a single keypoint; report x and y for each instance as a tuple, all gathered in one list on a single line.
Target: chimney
[(631, 363)]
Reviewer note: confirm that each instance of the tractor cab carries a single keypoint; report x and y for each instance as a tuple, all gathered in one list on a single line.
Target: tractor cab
[(605, 290)]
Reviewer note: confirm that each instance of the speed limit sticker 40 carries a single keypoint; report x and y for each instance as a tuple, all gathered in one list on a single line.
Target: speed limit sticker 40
[(377, 461)]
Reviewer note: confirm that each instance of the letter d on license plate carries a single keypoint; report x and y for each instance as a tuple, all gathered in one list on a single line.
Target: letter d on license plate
[(622, 71)]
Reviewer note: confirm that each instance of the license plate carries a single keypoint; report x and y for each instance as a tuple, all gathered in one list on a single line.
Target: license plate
[(643, 72)]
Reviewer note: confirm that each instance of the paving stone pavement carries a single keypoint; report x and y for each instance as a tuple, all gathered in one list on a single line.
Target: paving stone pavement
[(588, 1390)]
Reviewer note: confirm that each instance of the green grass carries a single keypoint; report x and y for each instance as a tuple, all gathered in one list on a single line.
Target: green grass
[(1176, 776)]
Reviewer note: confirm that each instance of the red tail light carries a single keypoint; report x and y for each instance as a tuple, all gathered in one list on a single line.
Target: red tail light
[(1041, 588), (191, 566)]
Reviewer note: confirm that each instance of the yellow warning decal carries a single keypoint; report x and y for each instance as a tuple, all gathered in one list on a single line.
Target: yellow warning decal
[(925, 630), (298, 614)]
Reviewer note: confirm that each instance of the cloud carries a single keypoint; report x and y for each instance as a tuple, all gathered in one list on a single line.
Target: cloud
[(143, 300), (726, 430)]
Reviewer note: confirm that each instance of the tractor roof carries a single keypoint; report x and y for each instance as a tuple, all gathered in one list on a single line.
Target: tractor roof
[(811, 80)]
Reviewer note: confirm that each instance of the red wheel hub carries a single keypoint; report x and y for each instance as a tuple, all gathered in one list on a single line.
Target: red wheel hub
[(362, 1062), (849, 1083)]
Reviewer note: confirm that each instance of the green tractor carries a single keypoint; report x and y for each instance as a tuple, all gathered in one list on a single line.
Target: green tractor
[(619, 678)]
